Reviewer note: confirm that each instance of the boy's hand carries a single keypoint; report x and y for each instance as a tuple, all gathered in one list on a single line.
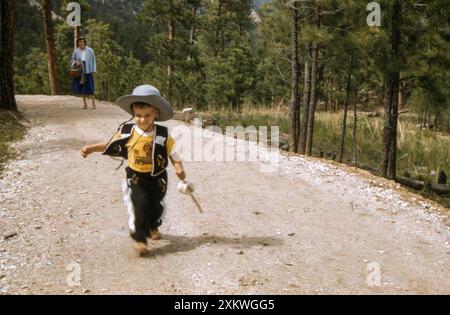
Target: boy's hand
[(85, 151)]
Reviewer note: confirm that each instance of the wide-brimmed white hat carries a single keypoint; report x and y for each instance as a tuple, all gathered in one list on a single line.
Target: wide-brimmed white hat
[(150, 95)]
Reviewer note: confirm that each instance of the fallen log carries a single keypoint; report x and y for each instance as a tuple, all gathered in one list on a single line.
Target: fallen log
[(439, 189), (405, 181)]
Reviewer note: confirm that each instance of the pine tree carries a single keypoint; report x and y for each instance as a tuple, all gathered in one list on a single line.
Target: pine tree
[(7, 97), (49, 40)]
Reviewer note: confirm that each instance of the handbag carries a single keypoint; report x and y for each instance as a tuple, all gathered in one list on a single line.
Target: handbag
[(75, 73)]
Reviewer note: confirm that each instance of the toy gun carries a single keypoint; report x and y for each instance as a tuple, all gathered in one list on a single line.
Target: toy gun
[(188, 189)]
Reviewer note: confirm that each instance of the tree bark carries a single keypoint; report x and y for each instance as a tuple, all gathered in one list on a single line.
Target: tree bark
[(294, 112), (76, 35), (7, 97), (171, 36), (355, 120), (219, 14), (347, 98), (306, 98), (400, 94), (313, 96), (192, 33), (388, 163), (55, 88)]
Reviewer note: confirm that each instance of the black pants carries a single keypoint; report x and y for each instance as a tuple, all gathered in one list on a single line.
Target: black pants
[(146, 193)]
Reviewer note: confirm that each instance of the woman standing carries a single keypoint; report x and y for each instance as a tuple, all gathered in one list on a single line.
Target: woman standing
[(84, 57)]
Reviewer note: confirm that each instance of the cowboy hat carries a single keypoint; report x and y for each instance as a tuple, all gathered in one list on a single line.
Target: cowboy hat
[(147, 94)]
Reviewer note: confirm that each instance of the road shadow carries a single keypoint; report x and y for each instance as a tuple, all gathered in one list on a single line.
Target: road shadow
[(176, 243)]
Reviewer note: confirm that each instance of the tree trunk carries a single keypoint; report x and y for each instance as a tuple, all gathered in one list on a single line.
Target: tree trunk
[(76, 35), (355, 120), (171, 35), (7, 98), (313, 100), (388, 162), (306, 98), (192, 33), (50, 43), (344, 120), (329, 102), (219, 14), (294, 112), (313, 96)]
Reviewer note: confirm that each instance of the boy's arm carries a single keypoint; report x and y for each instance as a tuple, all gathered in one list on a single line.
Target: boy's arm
[(99, 147), (179, 169), (175, 159)]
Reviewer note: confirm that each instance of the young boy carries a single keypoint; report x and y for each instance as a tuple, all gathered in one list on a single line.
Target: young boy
[(147, 147)]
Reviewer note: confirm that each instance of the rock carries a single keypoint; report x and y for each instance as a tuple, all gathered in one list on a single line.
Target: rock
[(240, 252), (184, 116), (38, 227), (291, 234), (24, 286), (256, 212), (284, 143), (188, 110), (69, 291), (209, 121), (86, 291)]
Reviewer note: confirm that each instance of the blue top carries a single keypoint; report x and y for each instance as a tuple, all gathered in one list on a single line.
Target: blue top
[(91, 65)]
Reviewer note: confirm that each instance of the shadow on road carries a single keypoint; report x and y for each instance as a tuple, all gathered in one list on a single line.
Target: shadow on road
[(176, 243)]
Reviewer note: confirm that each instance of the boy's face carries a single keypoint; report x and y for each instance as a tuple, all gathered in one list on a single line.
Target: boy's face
[(145, 116)]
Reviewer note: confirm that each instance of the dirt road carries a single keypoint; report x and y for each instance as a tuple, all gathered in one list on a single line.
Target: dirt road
[(311, 227)]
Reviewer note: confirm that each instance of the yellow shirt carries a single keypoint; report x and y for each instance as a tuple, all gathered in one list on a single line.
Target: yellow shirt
[(140, 149)]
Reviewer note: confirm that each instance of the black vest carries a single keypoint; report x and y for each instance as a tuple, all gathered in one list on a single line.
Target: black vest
[(160, 161)]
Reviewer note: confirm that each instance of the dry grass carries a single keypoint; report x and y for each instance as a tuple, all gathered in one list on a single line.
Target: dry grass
[(10, 130)]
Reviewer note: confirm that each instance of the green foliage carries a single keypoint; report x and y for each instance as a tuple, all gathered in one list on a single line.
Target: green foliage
[(230, 76), (221, 57), (31, 73)]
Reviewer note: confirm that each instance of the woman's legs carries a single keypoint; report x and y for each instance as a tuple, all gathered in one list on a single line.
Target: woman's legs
[(93, 101), (84, 103)]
